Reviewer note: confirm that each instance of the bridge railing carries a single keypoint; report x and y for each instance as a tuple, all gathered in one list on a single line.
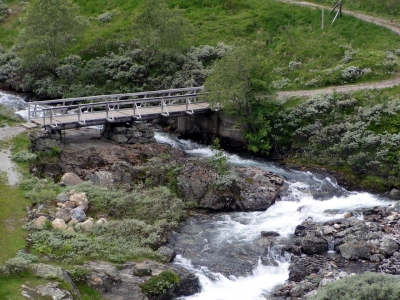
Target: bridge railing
[(47, 111)]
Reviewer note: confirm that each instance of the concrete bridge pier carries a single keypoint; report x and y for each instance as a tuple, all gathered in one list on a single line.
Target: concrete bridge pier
[(206, 127)]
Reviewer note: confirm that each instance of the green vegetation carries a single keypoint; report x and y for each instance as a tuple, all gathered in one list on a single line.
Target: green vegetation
[(128, 47), (161, 283), (8, 116), (11, 284), (12, 236), (371, 286), (343, 130), (49, 25)]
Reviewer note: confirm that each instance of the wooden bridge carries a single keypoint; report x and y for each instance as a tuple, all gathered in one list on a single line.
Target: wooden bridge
[(117, 108)]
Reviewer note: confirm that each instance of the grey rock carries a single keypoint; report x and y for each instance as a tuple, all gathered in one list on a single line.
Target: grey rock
[(54, 291), (70, 179), (314, 244), (168, 253), (62, 198), (65, 214), (53, 272), (78, 214), (301, 289), (354, 250), (101, 178), (389, 246), (376, 258), (247, 189), (394, 194), (119, 138), (269, 233), (141, 271)]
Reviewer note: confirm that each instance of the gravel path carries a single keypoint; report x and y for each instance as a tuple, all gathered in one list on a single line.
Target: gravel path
[(391, 25), (6, 164)]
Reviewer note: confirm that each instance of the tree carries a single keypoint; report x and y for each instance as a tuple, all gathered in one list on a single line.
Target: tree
[(161, 28), (49, 26), (239, 85)]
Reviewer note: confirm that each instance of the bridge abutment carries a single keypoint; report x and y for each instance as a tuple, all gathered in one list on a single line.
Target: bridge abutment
[(207, 127), (129, 134)]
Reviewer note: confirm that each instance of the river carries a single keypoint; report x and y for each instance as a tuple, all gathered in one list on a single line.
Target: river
[(222, 236), (225, 238)]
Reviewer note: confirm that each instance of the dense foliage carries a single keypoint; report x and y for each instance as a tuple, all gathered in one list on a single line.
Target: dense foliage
[(344, 130), (369, 286)]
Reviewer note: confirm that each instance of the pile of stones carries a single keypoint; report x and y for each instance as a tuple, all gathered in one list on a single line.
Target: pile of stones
[(70, 214)]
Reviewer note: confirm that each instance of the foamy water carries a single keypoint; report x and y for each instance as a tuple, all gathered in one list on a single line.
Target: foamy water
[(298, 205)]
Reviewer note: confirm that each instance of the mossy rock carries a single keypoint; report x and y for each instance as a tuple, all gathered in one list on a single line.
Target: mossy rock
[(161, 283)]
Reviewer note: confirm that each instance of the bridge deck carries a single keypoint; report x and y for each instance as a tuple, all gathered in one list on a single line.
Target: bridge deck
[(122, 115), (87, 111)]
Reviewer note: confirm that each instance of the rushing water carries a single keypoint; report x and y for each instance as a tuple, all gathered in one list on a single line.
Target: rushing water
[(221, 234)]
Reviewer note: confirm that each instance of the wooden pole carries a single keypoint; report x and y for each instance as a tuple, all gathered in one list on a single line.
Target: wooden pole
[(340, 9), (290, 37), (335, 18), (322, 25)]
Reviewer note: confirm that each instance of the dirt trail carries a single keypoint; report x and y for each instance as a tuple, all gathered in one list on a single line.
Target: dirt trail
[(6, 164), (391, 25)]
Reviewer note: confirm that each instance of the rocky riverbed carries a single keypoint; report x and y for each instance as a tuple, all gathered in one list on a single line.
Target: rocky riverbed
[(296, 231)]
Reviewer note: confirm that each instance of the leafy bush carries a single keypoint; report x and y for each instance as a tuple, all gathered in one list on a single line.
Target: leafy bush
[(8, 114), (40, 190), (353, 73), (24, 156), (369, 286), (3, 10), (19, 263), (78, 274), (338, 130), (161, 283)]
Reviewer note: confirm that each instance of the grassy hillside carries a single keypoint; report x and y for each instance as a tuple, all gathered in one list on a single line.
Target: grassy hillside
[(317, 58)]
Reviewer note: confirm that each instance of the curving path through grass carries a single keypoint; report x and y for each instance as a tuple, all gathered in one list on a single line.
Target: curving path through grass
[(391, 25)]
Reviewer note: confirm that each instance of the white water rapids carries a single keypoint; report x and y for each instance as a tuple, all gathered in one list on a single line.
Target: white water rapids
[(283, 217), (229, 230)]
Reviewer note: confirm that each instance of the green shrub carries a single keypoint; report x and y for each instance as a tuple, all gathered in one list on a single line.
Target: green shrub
[(78, 274), (24, 156), (161, 283), (371, 286), (8, 114), (20, 262), (40, 190)]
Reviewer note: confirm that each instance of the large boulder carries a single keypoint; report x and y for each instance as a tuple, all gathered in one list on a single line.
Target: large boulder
[(314, 244), (389, 246), (78, 214), (64, 213), (70, 179), (54, 272), (241, 189), (59, 224), (101, 178), (354, 250), (123, 282)]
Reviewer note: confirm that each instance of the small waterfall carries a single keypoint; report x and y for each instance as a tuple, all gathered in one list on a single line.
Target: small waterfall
[(221, 236)]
